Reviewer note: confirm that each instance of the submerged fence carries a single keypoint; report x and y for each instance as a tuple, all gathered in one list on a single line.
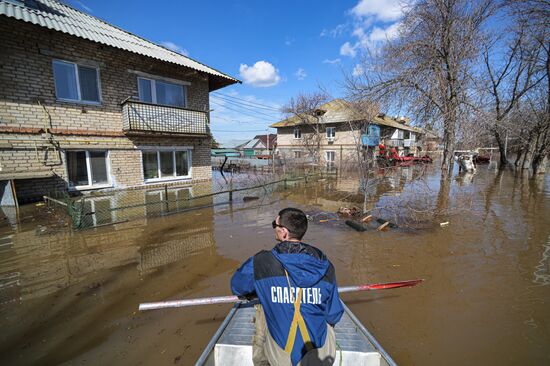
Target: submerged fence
[(121, 206)]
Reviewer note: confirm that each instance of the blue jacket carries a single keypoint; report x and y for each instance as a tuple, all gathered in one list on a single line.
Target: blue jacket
[(308, 269)]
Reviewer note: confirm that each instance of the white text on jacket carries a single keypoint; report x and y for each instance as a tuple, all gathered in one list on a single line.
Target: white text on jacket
[(282, 295)]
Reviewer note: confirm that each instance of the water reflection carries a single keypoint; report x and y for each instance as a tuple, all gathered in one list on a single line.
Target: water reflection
[(71, 296)]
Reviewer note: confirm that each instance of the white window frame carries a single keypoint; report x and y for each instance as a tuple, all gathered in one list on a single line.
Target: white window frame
[(298, 132), (173, 150), (297, 152), (90, 186), (326, 156), (331, 133), (161, 194), (93, 201), (77, 78), (154, 90)]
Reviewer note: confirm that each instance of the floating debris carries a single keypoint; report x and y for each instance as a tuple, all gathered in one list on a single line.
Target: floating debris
[(356, 225), (349, 212), (390, 224)]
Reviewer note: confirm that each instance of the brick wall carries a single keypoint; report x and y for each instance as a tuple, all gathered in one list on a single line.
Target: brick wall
[(28, 108), (344, 144), (26, 76)]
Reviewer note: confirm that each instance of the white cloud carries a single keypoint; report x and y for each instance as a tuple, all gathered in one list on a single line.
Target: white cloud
[(261, 74), (383, 10), (348, 50), (382, 34), (300, 74), (358, 70), (174, 47), (332, 62), (289, 41), (335, 32)]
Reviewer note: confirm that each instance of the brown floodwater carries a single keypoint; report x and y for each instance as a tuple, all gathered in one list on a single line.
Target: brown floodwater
[(71, 297)]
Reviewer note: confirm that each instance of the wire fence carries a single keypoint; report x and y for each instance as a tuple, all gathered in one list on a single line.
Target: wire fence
[(89, 211)]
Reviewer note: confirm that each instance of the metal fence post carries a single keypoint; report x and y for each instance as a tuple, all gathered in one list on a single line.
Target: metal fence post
[(166, 197)]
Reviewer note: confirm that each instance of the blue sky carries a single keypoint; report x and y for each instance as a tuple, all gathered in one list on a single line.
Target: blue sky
[(277, 48)]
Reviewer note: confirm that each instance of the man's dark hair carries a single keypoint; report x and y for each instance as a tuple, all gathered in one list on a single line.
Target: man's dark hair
[(295, 221)]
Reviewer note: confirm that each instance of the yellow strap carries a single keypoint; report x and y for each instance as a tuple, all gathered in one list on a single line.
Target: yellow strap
[(297, 322)]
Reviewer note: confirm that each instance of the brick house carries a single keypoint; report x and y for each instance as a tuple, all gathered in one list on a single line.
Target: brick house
[(340, 132), (86, 106)]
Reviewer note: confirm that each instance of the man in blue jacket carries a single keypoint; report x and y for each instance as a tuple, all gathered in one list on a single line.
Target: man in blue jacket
[(296, 286)]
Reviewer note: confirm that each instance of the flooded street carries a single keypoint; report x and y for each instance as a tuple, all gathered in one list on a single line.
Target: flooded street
[(71, 297)]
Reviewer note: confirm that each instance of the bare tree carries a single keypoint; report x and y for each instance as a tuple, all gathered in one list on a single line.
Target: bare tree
[(533, 17), (427, 68), (362, 115), (305, 108), (507, 79)]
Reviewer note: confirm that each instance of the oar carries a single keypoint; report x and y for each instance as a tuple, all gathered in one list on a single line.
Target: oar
[(233, 299)]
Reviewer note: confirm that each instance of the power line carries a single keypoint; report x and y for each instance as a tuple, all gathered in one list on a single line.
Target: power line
[(219, 95), (237, 121), (248, 114), (223, 103), (264, 130), (245, 106)]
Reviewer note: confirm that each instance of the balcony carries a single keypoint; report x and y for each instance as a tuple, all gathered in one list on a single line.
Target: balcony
[(141, 117), (395, 142), (409, 142), (370, 140)]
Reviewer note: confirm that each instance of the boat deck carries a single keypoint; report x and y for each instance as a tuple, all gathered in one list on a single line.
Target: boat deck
[(234, 347)]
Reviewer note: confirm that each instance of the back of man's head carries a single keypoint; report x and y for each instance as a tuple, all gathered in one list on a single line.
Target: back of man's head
[(295, 221)]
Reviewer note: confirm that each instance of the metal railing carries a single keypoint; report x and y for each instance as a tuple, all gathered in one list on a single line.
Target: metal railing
[(409, 142), (147, 117), (395, 142), (112, 208)]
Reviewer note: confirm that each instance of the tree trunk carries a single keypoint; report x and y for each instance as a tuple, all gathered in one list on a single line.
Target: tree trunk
[(448, 152), (502, 149), (519, 157), (540, 166), (529, 154)]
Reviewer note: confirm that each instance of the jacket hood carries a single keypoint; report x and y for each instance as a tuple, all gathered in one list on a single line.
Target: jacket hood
[(305, 264)]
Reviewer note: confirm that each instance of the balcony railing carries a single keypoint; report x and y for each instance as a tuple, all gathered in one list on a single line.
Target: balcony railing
[(394, 142), (409, 142), (146, 117)]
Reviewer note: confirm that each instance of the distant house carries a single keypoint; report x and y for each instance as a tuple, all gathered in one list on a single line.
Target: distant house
[(341, 132), (230, 153), (85, 105), (259, 146)]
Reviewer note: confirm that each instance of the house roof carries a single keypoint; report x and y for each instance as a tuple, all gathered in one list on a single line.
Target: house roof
[(340, 111), (62, 18), (263, 139), (252, 144)]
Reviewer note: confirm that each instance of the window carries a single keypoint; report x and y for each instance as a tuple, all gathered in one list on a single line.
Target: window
[(330, 158), (297, 133), (331, 133), (76, 82), (98, 211), (88, 169), (297, 154), (158, 203), (161, 92), (166, 164)]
